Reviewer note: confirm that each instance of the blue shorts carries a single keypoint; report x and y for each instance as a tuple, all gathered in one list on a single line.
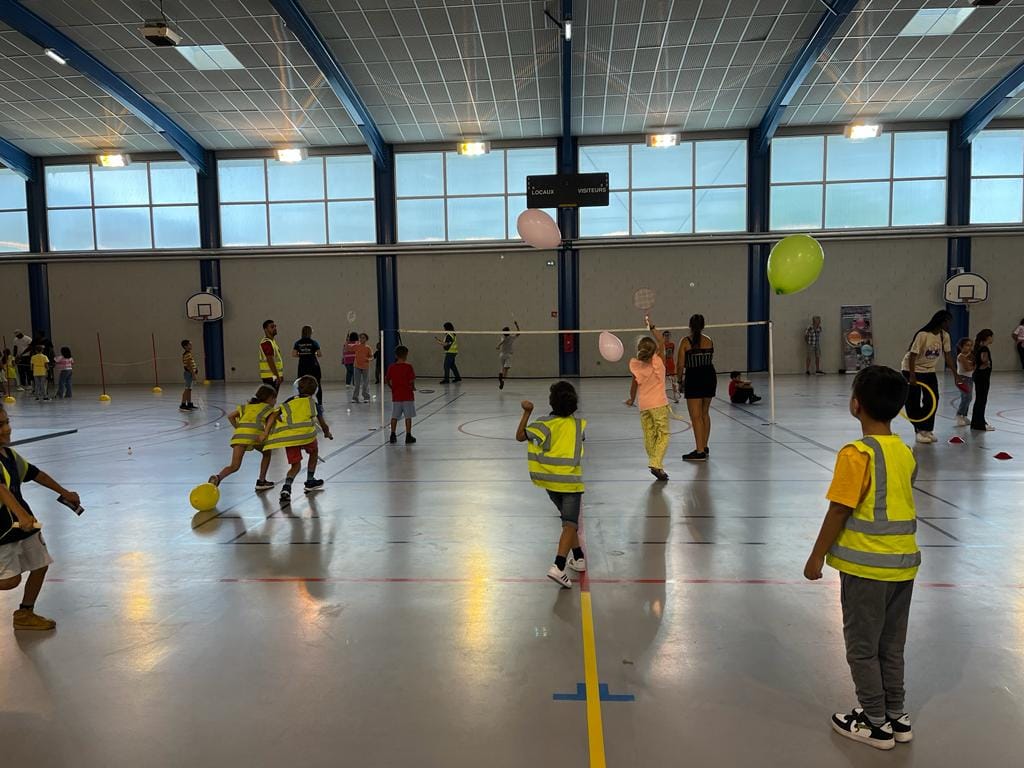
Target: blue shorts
[(403, 408), (189, 379)]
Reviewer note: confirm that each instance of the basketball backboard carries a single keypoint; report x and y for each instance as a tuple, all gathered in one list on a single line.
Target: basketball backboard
[(204, 307), (966, 288)]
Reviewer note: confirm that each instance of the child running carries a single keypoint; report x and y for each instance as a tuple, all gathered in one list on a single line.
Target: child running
[(670, 363), (648, 369), (22, 548), (964, 367), (505, 352), (555, 459), (250, 421), (868, 536), (293, 427), (401, 380), (190, 371)]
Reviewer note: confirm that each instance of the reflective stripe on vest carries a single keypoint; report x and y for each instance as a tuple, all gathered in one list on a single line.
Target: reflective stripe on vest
[(265, 372), (556, 461), (877, 541), (252, 420), (296, 425)]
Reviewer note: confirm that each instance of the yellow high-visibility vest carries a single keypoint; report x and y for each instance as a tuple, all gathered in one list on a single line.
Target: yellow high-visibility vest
[(295, 425), (252, 420), (453, 348), (878, 541), (265, 372), (555, 453), (5, 478)]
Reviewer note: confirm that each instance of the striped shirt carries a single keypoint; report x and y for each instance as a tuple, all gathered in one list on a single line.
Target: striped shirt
[(189, 363)]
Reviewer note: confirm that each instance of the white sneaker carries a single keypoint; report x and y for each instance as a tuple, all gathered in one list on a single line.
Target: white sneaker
[(577, 565), (961, 421), (989, 427), (922, 437), (559, 577), (902, 730)]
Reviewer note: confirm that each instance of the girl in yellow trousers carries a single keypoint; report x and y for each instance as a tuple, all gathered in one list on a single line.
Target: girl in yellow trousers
[(648, 369)]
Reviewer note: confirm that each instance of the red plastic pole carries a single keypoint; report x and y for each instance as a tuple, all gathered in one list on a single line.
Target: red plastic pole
[(103, 377), (156, 376)]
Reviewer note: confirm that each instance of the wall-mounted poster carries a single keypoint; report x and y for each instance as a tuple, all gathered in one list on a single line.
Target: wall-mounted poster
[(858, 342)]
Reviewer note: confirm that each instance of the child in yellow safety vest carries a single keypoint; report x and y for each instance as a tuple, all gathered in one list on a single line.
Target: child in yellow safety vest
[(869, 536), (250, 421), (293, 427), (555, 459)]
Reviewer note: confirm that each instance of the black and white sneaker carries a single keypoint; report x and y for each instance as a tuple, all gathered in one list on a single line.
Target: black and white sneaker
[(263, 485), (857, 727), (286, 496), (313, 485), (901, 730), (696, 456)]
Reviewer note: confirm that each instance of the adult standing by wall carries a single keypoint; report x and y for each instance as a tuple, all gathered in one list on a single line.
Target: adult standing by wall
[(929, 344), (271, 362), (696, 367), (307, 350), (23, 357), (1018, 339), (450, 344)]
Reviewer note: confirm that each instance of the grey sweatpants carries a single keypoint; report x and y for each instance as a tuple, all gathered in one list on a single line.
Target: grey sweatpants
[(875, 615)]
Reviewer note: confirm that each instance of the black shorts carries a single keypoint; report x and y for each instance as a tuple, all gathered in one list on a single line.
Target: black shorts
[(568, 506), (700, 383), (271, 383)]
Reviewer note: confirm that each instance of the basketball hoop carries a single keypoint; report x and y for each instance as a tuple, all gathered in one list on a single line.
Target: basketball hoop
[(965, 289), (204, 307)]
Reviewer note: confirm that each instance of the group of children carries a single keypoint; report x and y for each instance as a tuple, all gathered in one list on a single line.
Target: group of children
[(41, 366)]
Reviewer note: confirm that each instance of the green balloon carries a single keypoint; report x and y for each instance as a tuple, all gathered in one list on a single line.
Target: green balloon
[(795, 263)]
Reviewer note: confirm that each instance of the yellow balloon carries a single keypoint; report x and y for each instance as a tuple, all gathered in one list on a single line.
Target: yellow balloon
[(795, 263), (204, 497)]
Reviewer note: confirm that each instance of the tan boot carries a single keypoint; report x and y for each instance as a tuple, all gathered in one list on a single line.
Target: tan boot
[(28, 620)]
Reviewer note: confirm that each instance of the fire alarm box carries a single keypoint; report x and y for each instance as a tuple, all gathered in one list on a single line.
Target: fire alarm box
[(568, 342)]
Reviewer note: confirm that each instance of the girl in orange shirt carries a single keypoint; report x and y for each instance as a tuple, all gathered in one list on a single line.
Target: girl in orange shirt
[(648, 369)]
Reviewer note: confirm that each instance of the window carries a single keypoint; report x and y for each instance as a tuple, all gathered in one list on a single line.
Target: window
[(997, 177), (448, 196), (143, 205), (695, 186), (831, 182), (316, 201), (13, 213)]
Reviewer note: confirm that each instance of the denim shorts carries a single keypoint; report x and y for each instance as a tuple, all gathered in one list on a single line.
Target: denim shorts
[(189, 379), (568, 506), (403, 409)]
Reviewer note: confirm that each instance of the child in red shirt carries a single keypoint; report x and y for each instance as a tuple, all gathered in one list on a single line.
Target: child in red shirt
[(670, 363), (401, 379)]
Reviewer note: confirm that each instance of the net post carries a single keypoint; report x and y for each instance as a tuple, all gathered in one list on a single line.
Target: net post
[(771, 371), (380, 361), (103, 377), (156, 374)]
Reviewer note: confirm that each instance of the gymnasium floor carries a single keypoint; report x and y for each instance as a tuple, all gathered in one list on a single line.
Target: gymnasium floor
[(402, 617)]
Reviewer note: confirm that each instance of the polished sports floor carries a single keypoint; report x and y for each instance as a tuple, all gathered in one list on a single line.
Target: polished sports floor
[(402, 617)]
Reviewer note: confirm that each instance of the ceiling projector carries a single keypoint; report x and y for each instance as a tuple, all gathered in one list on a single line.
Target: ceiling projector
[(159, 33)]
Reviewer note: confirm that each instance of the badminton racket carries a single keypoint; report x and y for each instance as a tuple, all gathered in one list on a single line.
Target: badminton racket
[(643, 299)]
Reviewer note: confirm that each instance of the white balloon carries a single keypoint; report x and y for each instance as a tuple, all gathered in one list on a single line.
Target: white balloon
[(538, 229), (610, 347)]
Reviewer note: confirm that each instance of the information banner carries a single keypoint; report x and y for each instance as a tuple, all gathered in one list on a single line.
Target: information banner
[(858, 343)]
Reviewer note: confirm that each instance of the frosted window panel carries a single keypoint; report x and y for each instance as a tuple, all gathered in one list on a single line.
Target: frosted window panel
[(859, 159), (997, 153), (241, 180), (349, 176), (419, 174), (296, 181), (857, 205), (606, 221), (70, 230), (298, 224), (528, 162), (68, 185), (476, 175), (797, 158), (243, 224), (721, 162), (121, 186), (13, 231), (173, 183), (12, 190), (722, 210), (919, 153), (351, 222), (796, 207), (118, 229), (662, 166), (916, 203), (476, 218), (420, 220), (996, 201), (516, 205), (176, 227), (612, 159), (663, 213)]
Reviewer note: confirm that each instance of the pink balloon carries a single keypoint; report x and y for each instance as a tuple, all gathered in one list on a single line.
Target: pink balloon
[(538, 229), (610, 347)]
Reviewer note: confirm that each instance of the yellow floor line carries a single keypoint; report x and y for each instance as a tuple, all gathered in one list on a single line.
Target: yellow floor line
[(595, 728)]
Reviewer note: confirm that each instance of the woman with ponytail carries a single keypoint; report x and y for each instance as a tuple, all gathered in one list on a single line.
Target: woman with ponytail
[(929, 344)]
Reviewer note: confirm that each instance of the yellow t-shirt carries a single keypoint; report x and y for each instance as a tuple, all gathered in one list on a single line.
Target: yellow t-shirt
[(39, 363), (851, 479)]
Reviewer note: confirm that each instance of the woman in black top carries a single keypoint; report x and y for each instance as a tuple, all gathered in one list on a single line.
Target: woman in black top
[(982, 379), (307, 349), (700, 382)]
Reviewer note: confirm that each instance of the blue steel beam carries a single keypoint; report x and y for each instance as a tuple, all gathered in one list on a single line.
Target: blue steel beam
[(987, 107), (823, 33), (45, 35), (307, 34), (17, 159)]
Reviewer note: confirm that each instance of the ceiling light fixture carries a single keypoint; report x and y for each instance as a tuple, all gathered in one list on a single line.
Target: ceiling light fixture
[(474, 148), (290, 155), (659, 140), (55, 56), (862, 131), (113, 160), (568, 29)]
